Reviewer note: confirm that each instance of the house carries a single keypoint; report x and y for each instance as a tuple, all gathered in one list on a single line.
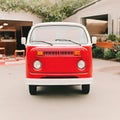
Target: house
[(13, 26), (100, 17)]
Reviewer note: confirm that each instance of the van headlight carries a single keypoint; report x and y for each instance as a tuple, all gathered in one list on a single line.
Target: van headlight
[(37, 64), (81, 64)]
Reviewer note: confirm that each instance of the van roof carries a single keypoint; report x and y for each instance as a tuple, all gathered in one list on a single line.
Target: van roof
[(59, 23)]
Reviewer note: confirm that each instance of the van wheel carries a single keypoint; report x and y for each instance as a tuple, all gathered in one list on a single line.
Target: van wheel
[(32, 89), (85, 89)]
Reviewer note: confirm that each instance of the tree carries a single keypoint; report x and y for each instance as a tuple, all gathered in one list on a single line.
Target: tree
[(44, 8)]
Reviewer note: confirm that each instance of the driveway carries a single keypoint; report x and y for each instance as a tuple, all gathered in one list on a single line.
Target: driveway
[(61, 103)]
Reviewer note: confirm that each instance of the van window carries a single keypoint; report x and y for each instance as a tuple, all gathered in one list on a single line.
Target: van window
[(58, 35)]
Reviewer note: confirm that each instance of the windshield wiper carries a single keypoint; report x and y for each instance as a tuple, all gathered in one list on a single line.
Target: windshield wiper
[(68, 41), (44, 42)]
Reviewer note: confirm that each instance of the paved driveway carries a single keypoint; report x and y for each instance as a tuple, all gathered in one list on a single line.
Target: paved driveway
[(61, 103)]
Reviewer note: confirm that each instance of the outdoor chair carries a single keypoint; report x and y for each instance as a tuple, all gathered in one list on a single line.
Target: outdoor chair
[(19, 51)]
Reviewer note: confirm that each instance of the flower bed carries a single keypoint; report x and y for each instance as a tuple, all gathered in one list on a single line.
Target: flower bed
[(110, 51)]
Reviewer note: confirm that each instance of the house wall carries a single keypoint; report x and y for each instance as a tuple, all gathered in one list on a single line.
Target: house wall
[(110, 7), (19, 16)]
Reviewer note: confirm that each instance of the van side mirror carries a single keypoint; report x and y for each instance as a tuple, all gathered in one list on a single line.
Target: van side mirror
[(94, 40), (23, 40)]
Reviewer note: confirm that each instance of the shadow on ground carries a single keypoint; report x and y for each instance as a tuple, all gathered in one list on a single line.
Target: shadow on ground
[(59, 90)]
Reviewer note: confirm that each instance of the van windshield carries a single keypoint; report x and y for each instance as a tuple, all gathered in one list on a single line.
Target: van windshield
[(58, 35)]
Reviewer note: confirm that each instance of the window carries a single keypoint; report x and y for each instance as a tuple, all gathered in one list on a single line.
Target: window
[(58, 35)]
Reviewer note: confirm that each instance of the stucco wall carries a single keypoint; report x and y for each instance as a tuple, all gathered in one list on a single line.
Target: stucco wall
[(110, 7), (20, 16)]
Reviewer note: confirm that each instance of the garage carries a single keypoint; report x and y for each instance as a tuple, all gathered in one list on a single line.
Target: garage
[(10, 34), (97, 24), (13, 26)]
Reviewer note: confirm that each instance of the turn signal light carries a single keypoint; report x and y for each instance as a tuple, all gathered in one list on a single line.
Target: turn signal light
[(76, 53), (40, 53)]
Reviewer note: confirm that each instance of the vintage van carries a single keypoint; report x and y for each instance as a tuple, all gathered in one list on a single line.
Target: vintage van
[(58, 53)]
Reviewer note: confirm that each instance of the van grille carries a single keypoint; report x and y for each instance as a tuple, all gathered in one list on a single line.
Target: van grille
[(48, 53)]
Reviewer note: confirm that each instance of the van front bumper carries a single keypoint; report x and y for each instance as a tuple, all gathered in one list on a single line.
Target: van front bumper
[(59, 81)]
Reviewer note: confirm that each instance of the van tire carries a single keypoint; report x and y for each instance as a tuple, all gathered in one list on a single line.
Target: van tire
[(85, 89), (32, 89)]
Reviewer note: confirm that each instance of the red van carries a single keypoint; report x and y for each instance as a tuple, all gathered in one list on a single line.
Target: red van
[(58, 53)]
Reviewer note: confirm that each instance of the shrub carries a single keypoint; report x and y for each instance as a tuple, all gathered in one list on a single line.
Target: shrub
[(97, 52), (108, 53), (112, 37), (117, 56), (116, 47), (118, 39)]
